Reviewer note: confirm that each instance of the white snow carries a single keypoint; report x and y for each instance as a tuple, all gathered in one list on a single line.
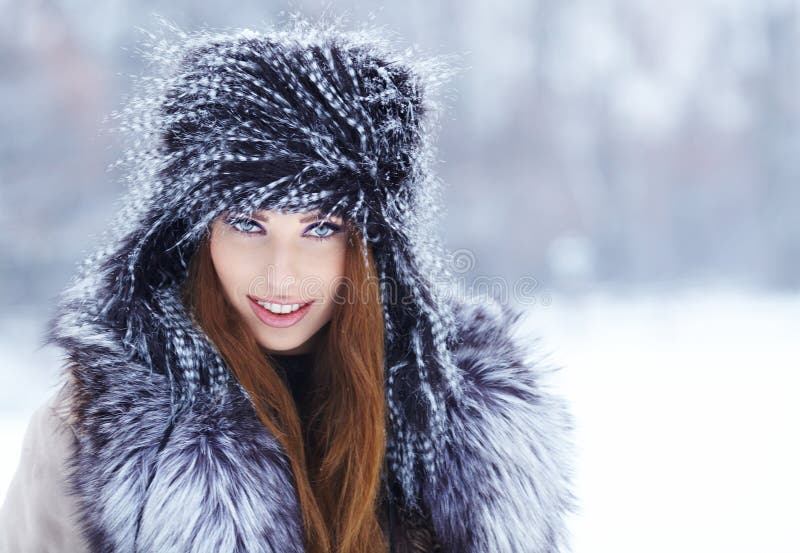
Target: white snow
[(687, 418)]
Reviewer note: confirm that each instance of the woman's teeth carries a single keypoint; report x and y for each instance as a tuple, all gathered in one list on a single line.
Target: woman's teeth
[(281, 309)]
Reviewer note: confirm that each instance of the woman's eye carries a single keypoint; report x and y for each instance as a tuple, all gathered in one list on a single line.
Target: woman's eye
[(323, 231), (242, 223)]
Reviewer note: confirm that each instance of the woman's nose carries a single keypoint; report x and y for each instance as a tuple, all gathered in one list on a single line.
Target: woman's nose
[(282, 264)]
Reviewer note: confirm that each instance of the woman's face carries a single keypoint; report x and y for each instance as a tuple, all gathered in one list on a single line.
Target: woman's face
[(271, 263)]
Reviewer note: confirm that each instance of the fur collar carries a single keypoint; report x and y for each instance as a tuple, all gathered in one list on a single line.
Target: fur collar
[(212, 478)]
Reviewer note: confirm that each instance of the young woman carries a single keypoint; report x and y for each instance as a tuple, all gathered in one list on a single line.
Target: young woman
[(267, 354)]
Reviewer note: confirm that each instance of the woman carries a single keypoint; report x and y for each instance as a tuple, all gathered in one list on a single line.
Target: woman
[(267, 355)]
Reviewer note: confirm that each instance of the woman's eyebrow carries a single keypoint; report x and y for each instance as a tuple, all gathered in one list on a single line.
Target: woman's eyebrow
[(306, 219)]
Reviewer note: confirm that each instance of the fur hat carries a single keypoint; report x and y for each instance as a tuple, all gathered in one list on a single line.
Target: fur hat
[(311, 117)]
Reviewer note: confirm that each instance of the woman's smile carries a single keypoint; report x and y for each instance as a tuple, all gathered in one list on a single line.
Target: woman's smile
[(289, 313)]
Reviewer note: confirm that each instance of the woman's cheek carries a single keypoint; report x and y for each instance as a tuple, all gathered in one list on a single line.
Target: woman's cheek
[(232, 270)]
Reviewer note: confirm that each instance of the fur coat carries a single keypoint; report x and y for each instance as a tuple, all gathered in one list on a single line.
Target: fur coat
[(167, 453)]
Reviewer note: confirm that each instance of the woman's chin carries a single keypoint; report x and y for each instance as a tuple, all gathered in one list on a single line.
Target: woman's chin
[(282, 348), (296, 345), (284, 342)]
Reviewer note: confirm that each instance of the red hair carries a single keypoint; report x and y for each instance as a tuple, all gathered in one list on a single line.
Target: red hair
[(337, 459)]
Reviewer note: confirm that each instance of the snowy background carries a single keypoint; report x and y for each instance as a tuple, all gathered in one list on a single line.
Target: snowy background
[(636, 161)]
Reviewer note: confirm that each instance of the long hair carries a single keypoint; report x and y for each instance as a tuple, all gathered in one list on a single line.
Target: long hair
[(336, 460)]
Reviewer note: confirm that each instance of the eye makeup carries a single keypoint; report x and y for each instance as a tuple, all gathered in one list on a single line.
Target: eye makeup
[(236, 222)]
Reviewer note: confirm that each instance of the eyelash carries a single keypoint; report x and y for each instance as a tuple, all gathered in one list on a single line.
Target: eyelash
[(232, 221)]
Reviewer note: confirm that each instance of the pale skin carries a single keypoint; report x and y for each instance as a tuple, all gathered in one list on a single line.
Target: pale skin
[(288, 257)]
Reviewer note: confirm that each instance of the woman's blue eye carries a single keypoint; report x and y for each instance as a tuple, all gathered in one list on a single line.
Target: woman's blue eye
[(319, 231), (330, 227), (234, 221)]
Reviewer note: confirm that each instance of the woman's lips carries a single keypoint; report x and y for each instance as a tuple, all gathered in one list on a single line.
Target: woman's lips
[(276, 320)]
